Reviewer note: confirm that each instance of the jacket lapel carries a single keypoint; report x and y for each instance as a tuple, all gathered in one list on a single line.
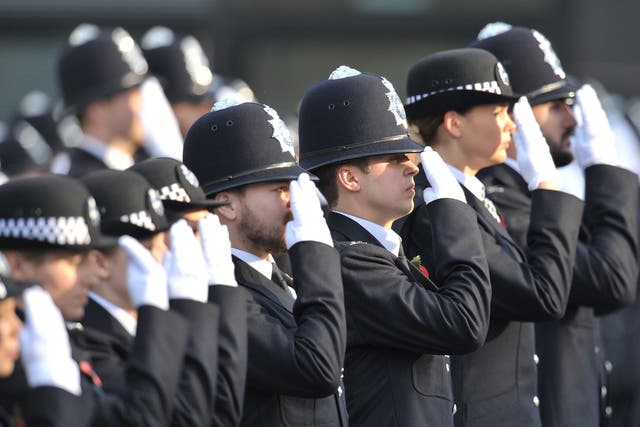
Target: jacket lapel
[(345, 229), (97, 318), (249, 277)]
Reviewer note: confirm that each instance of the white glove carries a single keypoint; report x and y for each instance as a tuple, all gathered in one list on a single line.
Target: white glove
[(216, 248), (534, 158), (308, 221), (44, 342), (594, 141), (146, 279), (185, 265), (162, 133), (443, 184)]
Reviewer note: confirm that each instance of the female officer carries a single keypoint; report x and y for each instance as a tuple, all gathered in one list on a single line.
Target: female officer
[(458, 103)]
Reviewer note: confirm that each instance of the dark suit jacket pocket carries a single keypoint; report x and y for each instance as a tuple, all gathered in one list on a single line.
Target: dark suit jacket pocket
[(431, 376), (301, 412)]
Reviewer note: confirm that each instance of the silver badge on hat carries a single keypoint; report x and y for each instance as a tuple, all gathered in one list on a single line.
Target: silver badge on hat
[(189, 176), (196, 62), (502, 73), (129, 51), (156, 203), (493, 29), (3, 290), (226, 103), (280, 131), (92, 209), (395, 104), (550, 56)]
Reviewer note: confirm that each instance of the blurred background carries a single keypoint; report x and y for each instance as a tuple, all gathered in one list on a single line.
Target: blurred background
[(281, 47)]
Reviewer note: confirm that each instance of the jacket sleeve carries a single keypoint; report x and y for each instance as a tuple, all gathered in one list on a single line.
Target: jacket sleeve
[(152, 373), (530, 288), (232, 354), (303, 359), (388, 308), (197, 385), (606, 266)]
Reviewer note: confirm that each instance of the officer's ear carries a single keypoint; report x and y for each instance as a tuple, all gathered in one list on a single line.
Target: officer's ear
[(228, 212), (452, 123), (347, 177)]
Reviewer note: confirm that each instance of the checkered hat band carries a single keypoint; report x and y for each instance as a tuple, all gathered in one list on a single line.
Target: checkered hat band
[(55, 230), (490, 87), (174, 192), (139, 219)]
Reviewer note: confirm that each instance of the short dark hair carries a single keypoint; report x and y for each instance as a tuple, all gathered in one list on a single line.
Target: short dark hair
[(428, 125), (328, 183)]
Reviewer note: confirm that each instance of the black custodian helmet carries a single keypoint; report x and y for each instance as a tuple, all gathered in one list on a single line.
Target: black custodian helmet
[(533, 66), (351, 115), (98, 63), (237, 145)]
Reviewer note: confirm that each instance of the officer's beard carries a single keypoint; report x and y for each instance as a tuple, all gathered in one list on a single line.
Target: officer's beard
[(561, 151), (264, 237)]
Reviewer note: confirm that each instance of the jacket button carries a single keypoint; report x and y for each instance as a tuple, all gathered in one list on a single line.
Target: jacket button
[(608, 366), (536, 401), (447, 367), (455, 409), (339, 391), (608, 411), (603, 391), (536, 359)]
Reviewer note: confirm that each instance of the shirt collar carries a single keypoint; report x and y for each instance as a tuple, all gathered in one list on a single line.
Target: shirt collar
[(263, 266), (112, 157), (125, 319), (470, 182), (388, 238)]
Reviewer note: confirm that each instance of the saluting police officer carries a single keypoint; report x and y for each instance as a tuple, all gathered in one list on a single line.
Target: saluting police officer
[(401, 324), (178, 188), (243, 156), (181, 66), (48, 225), (606, 266), (458, 103), (100, 72)]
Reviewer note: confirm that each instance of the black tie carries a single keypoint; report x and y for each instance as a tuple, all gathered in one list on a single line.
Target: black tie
[(277, 277)]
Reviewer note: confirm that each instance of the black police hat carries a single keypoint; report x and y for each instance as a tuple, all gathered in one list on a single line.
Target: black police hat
[(238, 145), (456, 79), (98, 63), (349, 116), (179, 63), (176, 185), (46, 212), (127, 203), (533, 67)]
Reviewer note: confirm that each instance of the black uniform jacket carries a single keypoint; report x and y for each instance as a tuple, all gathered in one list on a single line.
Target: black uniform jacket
[(81, 162), (401, 324), (496, 385), (571, 369), (296, 347), (109, 351)]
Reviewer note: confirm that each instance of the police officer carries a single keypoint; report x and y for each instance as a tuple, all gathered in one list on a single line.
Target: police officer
[(178, 188), (48, 225), (458, 103), (401, 324), (100, 72), (183, 69), (605, 269), (243, 156)]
